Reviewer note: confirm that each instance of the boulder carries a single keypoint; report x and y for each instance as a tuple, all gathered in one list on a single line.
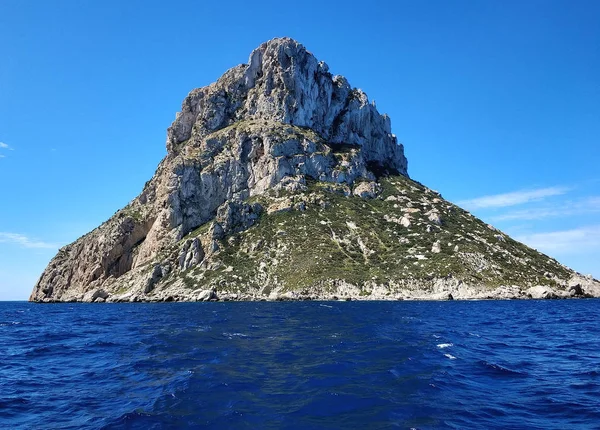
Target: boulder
[(284, 205), (207, 295), (91, 296), (154, 277), (444, 295), (367, 190), (191, 254), (541, 292), (434, 216)]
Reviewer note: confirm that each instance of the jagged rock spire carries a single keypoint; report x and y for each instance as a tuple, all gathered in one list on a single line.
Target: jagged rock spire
[(284, 82)]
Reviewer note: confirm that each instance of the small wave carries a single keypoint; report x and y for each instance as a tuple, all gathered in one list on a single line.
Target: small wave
[(326, 306), (232, 335), (386, 370), (102, 344), (40, 350), (501, 370), (445, 345), (395, 372), (589, 373), (10, 402), (129, 418), (586, 386)]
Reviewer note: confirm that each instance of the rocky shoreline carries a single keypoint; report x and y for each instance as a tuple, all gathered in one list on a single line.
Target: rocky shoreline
[(578, 288)]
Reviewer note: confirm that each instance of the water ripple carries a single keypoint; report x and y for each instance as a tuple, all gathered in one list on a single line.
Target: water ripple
[(517, 364)]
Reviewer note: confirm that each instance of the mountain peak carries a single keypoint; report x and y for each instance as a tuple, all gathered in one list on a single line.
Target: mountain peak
[(285, 83), (285, 43), (280, 53)]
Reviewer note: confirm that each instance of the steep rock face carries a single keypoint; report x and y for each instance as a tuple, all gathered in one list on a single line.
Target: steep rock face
[(285, 83), (282, 137)]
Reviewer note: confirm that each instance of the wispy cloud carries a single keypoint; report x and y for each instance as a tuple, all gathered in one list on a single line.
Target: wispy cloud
[(24, 241), (581, 207), (1, 156), (573, 241), (513, 198), (5, 146)]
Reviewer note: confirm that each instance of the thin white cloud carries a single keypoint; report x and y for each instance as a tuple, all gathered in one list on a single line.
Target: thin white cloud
[(24, 241), (5, 146), (581, 207), (578, 240), (2, 156), (512, 199)]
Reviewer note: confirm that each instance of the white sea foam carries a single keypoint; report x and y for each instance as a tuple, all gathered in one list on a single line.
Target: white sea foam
[(232, 335), (326, 306), (445, 345), (450, 356)]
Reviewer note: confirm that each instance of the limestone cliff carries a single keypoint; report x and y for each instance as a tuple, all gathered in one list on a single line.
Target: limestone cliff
[(280, 178)]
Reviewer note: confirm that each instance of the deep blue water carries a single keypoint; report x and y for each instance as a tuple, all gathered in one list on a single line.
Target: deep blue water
[(512, 364)]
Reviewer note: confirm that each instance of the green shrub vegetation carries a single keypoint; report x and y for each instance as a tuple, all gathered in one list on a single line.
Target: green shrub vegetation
[(349, 239)]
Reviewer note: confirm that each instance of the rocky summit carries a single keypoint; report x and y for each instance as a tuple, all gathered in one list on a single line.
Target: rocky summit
[(282, 181)]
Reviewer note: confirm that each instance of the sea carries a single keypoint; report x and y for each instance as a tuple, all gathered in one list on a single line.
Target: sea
[(301, 365)]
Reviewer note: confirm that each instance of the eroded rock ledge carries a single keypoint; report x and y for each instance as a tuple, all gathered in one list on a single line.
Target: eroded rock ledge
[(444, 290)]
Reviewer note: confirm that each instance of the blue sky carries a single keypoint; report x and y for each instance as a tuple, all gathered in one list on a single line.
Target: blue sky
[(497, 104)]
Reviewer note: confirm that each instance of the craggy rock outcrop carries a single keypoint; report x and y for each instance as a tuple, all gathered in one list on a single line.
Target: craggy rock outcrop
[(281, 141)]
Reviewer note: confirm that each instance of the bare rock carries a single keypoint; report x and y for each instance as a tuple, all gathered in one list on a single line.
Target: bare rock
[(405, 221), (191, 254), (91, 296), (435, 217), (589, 285), (235, 216), (443, 295), (284, 205), (206, 295), (154, 277), (541, 292), (576, 290), (367, 190)]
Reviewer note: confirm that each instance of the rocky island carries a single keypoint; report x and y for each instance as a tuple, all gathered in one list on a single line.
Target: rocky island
[(282, 181)]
